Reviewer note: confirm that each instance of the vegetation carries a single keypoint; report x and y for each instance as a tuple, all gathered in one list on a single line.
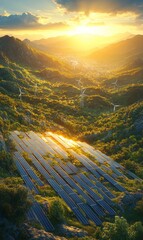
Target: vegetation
[(6, 163), (55, 106), (121, 230), (57, 211), (13, 200)]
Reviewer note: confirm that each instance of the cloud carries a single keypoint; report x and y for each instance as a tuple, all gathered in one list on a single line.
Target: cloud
[(102, 6), (27, 21)]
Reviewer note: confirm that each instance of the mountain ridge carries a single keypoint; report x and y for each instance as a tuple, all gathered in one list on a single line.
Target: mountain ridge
[(17, 51), (121, 52)]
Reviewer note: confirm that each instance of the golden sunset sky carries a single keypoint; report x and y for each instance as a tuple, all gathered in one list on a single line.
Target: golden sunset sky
[(34, 19)]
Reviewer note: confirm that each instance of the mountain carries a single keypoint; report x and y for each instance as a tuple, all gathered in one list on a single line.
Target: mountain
[(50, 104), (77, 45), (15, 50), (120, 53)]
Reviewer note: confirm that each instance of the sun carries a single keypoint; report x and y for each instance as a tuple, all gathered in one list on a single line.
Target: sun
[(90, 30), (83, 30)]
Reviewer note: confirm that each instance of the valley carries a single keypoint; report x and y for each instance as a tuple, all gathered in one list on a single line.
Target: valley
[(71, 132)]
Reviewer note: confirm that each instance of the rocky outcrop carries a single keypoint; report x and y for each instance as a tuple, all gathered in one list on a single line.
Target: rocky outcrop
[(70, 231), (35, 234)]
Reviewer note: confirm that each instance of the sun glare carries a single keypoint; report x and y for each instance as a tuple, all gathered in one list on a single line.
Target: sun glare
[(83, 30), (91, 30)]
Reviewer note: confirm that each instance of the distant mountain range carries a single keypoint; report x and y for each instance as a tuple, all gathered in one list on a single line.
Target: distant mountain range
[(77, 45), (124, 52), (127, 53)]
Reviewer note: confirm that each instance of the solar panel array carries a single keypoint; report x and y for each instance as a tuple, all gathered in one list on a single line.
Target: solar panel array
[(87, 189)]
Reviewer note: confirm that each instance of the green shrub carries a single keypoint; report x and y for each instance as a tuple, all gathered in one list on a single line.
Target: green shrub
[(57, 211)]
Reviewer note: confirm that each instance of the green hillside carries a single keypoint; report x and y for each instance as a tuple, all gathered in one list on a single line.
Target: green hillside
[(51, 101)]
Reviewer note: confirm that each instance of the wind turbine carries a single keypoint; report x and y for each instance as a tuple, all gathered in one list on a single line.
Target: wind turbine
[(115, 84), (82, 96), (115, 106), (79, 83), (74, 63), (20, 94)]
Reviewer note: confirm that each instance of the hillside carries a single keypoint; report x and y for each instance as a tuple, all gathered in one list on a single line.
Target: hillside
[(52, 103), (75, 45), (15, 50), (120, 53)]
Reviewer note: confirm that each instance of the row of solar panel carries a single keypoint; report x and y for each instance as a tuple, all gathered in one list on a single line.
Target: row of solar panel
[(36, 211), (92, 166), (72, 199), (62, 182)]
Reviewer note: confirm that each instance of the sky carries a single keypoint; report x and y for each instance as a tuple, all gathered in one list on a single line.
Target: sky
[(34, 19)]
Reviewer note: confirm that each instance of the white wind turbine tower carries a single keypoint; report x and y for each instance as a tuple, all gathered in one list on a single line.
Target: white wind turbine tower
[(115, 106), (115, 84), (79, 83), (74, 63), (20, 94), (82, 96)]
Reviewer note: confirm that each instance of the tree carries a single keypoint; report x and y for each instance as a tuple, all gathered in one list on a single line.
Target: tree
[(139, 207), (136, 231), (57, 211), (13, 201), (116, 231), (6, 162)]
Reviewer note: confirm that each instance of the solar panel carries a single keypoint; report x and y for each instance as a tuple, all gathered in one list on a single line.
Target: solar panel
[(117, 172), (50, 170), (92, 194), (72, 167), (106, 207), (29, 184), (134, 176), (86, 198), (19, 142), (80, 216), (20, 168), (57, 138), (98, 210), (66, 169), (105, 197), (90, 214), (67, 199), (42, 217), (75, 198), (88, 149), (86, 180), (110, 195), (55, 185), (95, 173), (120, 188), (77, 190), (85, 161), (41, 143), (25, 177), (40, 168), (67, 189), (60, 170), (29, 170), (79, 181), (31, 215), (56, 147)]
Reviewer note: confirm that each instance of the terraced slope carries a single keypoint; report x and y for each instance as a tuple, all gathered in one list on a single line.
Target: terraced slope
[(87, 180)]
